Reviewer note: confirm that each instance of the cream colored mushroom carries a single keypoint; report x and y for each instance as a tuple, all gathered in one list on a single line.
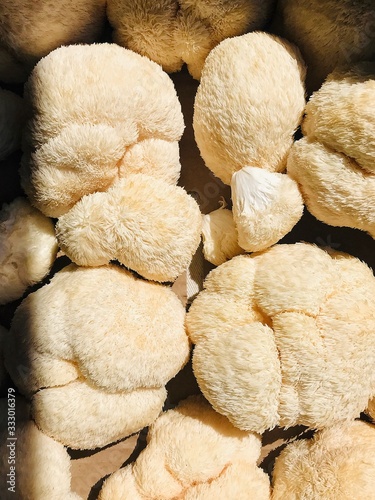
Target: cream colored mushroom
[(329, 34), (93, 350), (173, 32), (101, 154), (192, 453), (339, 462), (334, 163), (285, 337), (220, 236), (32, 465), (248, 105), (28, 248)]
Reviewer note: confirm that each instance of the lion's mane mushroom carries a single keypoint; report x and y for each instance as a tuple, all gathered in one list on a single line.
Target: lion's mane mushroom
[(192, 453), (339, 462), (286, 337), (102, 155), (30, 29), (32, 465), (28, 248), (334, 164), (248, 105), (93, 349), (174, 32)]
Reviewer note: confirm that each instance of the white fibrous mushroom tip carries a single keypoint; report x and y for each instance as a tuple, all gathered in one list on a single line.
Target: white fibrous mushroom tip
[(253, 190)]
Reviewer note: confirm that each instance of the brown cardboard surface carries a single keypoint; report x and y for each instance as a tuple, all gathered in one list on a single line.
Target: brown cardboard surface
[(88, 471)]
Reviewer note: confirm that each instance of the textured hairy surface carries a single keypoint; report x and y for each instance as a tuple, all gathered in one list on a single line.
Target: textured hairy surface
[(83, 122), (334, 163), (42, 466), (370, 410), (11, 120), (335, 189), (174, 32), (337, 463), (120, 338), (328, 33), (144, 223), (192, 453), (248, 104), (28, 248), (286, 337), (341, 114), (30, 29), (84, 417), (220, 237), (101, 152)]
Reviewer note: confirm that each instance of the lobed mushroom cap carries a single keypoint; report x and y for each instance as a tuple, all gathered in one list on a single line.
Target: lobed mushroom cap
[(28, 248), (172, 33), (328, 33), (143, 222), (338, 462), (285, 337), (334, 163), (85, 122), (249, 103), (101, 339), (192, 452)]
